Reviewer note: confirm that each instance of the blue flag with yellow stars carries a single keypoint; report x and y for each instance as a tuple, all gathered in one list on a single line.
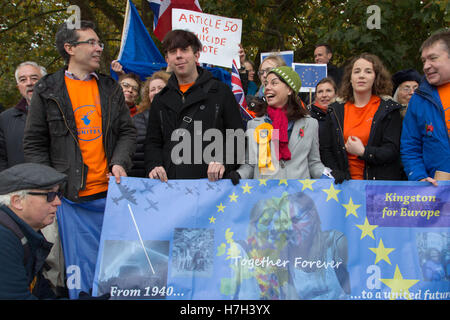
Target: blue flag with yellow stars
[(275, 239), (310, 74)]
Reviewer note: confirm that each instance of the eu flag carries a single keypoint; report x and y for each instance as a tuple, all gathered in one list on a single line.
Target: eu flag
[(310, 74)]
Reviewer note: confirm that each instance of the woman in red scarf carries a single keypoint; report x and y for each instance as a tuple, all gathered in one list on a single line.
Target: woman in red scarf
[(283, 139)]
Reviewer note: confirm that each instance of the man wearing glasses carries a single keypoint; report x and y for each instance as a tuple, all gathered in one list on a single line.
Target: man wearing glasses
[(79, 123), (29, 197)]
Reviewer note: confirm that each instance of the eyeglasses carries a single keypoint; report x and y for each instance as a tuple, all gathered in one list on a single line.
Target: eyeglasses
[(92, 42), (407, 89), (50, 195), (262, 72), (126, 85)]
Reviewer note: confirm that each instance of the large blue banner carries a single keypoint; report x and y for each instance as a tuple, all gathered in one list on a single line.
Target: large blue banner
[(275, 239)]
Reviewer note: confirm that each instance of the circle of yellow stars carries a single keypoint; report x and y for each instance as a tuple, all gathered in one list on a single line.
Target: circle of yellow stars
[(398, 285)]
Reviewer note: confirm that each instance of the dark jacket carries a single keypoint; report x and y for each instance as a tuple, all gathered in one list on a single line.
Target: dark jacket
[(12, 124), (51, 134), (15, 277), (320, 115), (140, 121), (216, 108), (382, 153)]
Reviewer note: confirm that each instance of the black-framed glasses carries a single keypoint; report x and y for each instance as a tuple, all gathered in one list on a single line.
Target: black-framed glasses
[(92, 42), (50, 195)]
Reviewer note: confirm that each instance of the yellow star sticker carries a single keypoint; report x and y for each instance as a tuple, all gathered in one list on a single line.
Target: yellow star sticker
[(262, 182), (212, 220), (399, 286), (307, 184), (233, 197), (351, 208), (332, 193), (367, 229), (220, 207), (282, 181), (246, 188), (382, 252)]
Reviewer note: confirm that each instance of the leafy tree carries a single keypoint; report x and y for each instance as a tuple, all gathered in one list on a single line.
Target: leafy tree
[(28, 27)]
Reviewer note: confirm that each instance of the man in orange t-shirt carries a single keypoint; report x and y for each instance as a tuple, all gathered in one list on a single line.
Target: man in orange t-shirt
[(79, 124), (425, 142)]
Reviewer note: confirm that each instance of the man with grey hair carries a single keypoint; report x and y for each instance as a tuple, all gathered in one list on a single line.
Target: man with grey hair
[(12, 121), (29, 197), (425, 141)]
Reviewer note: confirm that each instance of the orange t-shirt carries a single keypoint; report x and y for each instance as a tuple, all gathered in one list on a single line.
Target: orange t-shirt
[(358, 122), (185, 87), (87, 110), (444, 94)]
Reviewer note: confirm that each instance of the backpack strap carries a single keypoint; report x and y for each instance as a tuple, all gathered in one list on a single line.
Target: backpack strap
[(9, 223)]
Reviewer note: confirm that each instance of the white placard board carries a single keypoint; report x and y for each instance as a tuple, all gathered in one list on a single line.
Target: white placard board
[(220, 36), (288, 56)]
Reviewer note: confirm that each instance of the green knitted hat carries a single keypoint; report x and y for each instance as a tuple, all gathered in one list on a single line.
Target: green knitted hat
[(289, 76)]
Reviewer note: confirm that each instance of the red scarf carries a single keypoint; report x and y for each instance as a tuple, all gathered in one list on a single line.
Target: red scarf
[(280, 122)]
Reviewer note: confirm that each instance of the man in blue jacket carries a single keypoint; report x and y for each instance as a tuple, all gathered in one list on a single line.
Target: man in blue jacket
[(425, 142)]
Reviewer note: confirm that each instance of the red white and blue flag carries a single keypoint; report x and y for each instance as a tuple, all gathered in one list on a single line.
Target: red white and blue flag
[(162, 13), (238, 91)]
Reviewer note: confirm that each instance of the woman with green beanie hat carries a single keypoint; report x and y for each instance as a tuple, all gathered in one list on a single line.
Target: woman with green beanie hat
[(283, 139)]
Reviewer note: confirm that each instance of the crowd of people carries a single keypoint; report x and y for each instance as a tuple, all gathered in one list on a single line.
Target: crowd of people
[(88, 127)]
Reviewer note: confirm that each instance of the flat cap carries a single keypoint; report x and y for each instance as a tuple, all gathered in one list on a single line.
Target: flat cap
[(27, 176)]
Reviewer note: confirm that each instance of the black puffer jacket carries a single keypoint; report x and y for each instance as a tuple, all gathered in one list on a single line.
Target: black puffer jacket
[(51, 137), (216, 108), (382, 153)]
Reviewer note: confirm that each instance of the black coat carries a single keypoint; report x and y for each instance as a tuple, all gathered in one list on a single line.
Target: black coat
[(12, 124), (382, 153), (216, 108), (140, 121), (320, 115)]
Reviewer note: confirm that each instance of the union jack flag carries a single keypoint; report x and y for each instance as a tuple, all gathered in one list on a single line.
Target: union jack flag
[(162, 13), (239, 94)]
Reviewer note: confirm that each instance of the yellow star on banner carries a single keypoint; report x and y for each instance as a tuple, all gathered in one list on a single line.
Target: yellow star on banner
[(212, 220), (246, 188), (351, 208), (262, 182), (332, 193), (233, 197), (307, 184), (367, 229), (220, 207), (282, 181), (382, 252), (399, 286)]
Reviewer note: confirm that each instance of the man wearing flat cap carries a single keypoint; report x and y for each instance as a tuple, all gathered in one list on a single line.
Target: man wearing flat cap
[(29, 196)]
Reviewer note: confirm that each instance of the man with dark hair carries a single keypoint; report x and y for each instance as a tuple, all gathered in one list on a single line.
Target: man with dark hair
[(425, 141), (323, 55), (79, 124), (192, 99)]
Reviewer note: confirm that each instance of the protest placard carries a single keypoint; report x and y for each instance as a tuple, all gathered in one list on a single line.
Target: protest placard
[(220, 36), (288, 56)]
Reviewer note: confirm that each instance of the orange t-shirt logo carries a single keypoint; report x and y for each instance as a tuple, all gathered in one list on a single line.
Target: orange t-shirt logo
[(87, 110)]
